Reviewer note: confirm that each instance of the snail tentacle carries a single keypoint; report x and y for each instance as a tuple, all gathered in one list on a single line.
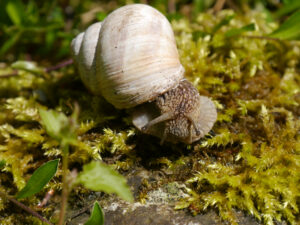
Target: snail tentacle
[(161, 118)]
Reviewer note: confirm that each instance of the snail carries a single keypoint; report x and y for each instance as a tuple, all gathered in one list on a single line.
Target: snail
[(131, 59)]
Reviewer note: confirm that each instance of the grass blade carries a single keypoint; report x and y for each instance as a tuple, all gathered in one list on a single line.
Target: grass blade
[(290, 29)]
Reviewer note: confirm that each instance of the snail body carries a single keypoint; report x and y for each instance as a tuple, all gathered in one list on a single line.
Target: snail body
[(131, 59)]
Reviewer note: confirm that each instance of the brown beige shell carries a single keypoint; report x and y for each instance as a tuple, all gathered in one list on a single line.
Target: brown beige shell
[(132, 57), (132, 60), (83, 48)]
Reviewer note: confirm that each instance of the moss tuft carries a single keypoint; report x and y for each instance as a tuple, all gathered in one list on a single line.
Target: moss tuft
[(256, 85)]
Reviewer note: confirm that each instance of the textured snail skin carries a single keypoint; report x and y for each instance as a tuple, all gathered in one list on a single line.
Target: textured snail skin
[(184, 115), (131, 59)]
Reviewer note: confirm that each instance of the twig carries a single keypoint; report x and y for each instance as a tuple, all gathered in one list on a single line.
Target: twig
[(219, 5), (172, 6), (24, 207), (47, 70), (60, 65), (261, 37), (232, 5), (81, 211), (47, 197), (15, 73)]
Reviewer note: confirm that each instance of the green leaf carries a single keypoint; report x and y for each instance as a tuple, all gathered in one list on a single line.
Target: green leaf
[(99, 177), (101, 16), (290, 29), (174, 16), (198, 6), (238, 31), (2, 163), (15, 11), (4, 18), (39, 179), (10, 42), (28, 66), (97, 217), (287, 8), (201, 5), (59, 126), (53, 121)]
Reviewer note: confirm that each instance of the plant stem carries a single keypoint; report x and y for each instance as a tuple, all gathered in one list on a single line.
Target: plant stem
[(24, 207), (65, 187), (14, 73), (60, 65), (219, 5), (171, 6), (261, 37), (47, 70)]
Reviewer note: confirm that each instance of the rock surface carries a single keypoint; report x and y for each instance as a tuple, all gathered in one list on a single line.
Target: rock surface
[(158, 209)]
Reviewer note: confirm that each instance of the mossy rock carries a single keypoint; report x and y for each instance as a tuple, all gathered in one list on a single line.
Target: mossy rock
[(251, 165)]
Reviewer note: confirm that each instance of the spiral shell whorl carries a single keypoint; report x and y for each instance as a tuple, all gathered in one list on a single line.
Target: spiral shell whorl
[(130, 58), (137, 59), (84, 50)]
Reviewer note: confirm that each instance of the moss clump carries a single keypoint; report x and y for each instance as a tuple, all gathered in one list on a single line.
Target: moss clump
[(251, 164)]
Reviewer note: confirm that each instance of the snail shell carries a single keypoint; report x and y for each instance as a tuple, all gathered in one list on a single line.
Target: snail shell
[(132, 57), (84, 50)]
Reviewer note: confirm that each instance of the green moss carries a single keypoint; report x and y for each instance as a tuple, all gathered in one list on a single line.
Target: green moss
[(256, 86), (251, 164)]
